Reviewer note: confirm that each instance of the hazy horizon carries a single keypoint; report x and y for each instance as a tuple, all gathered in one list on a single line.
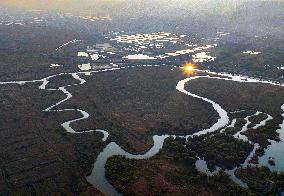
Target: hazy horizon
[(129, 7)]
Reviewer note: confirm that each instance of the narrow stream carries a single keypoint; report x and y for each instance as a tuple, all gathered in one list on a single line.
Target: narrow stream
[(275, 151)]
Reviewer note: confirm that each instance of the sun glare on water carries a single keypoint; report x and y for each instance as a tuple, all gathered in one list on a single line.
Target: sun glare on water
[(189, 68)]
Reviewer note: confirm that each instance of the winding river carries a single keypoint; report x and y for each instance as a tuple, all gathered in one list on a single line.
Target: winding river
[(97, 177)]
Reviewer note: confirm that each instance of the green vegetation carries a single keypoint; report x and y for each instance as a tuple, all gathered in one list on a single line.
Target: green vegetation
[(135, 104), (220, 149), (171, 172), (257, 119), (230, 58), (88, 148), (261, 180), (240, 122), (232, 130), (78, 185), (271, 162), (37, 155), (250, 97), (262, 134)]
